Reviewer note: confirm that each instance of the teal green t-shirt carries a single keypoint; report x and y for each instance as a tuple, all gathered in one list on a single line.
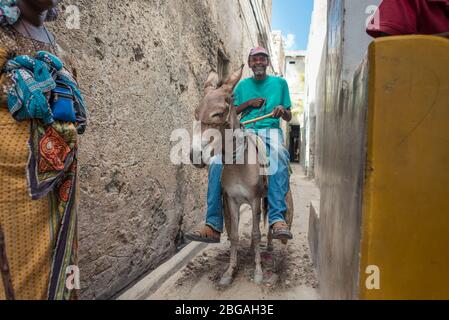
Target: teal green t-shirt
[(273, 89)]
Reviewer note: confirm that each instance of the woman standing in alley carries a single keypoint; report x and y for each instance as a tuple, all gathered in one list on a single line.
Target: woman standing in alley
[(41, 114)]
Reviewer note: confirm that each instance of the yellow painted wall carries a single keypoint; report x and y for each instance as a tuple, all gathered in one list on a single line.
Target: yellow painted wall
[(405, 223)]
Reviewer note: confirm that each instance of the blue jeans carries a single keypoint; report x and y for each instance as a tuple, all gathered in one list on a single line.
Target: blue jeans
[(278, 182)]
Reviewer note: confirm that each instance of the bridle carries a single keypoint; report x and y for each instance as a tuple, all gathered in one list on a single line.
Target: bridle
[(225, 124)]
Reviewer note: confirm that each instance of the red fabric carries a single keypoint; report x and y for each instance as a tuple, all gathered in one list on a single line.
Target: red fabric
[(400, 17)]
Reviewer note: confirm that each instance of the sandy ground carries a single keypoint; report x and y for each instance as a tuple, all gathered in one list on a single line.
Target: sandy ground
[(288, 271)]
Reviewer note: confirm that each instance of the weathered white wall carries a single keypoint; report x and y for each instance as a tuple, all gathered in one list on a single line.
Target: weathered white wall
[(354, 45), (315, 65), (278, 54), (315, 47), (241, 25), (337, 141), (294, 74), (356, 40)]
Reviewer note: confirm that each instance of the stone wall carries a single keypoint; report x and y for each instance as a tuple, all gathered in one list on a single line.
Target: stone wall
[(142, 65)]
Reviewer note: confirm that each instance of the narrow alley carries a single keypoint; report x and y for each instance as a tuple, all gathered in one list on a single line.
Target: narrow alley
[(133, 133), (289, 271)]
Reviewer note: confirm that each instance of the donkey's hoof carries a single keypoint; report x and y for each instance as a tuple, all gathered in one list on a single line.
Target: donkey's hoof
[(258, 277), (225, 281)]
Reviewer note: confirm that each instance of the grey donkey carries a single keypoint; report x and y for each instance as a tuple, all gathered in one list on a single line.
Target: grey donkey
[(242, 183)]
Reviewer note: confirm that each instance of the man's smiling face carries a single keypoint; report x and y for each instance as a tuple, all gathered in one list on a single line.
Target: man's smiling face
[(259, 64)]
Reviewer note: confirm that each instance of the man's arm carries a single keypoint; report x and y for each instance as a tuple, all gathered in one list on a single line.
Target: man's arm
[(444, 34), (255, 103), (382, 34), (393, 18), (288, 115), (281, 112)]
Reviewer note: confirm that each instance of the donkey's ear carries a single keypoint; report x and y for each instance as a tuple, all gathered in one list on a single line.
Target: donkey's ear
[(230, 83), (211, 82)]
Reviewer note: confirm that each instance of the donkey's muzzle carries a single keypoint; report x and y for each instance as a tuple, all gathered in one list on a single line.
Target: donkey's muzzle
[(196, 158)]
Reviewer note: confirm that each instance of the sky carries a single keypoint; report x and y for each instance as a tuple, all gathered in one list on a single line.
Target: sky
[(293, 18)]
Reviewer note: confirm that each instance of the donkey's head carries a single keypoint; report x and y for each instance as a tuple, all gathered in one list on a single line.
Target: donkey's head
[(215, 111)]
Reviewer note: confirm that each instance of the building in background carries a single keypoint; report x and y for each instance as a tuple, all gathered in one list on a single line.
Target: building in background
[(278, 53), (314, 73), (294, 131)]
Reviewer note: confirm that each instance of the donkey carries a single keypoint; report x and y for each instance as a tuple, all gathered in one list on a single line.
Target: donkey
[(241, 183)]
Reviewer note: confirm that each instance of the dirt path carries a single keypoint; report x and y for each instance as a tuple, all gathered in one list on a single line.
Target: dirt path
[(288, 270)]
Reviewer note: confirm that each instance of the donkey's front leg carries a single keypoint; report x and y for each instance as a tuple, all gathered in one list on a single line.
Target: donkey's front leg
[(233, 210), (258, 274), (270, 240)]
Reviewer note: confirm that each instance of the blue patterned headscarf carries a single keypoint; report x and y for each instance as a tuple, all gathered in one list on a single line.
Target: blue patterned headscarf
[(9, 12), (34, 77)]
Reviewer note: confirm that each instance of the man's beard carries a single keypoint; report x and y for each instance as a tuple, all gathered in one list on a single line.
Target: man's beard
[(260, 71)]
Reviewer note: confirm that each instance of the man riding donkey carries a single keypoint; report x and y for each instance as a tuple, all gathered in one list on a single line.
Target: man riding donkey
[(254, 97)]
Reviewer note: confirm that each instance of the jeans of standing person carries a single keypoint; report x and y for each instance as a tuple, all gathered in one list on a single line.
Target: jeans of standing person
[(278, 181)]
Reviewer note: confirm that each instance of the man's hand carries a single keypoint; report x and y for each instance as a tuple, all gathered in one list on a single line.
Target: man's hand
[(281, 112), (256, 103)]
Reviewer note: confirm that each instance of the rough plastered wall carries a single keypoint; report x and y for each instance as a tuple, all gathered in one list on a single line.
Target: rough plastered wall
[(341, 131), (142, 66)]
